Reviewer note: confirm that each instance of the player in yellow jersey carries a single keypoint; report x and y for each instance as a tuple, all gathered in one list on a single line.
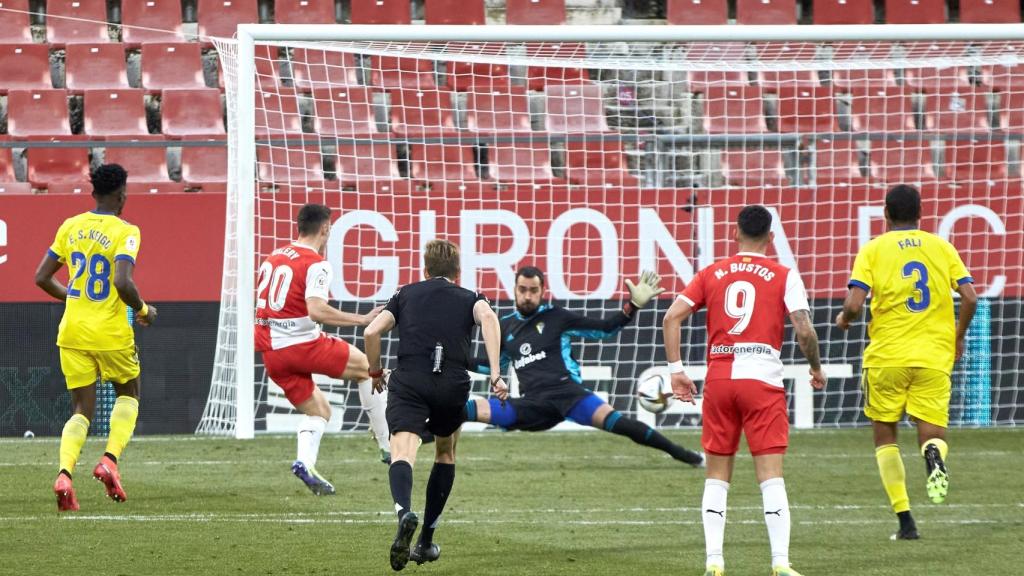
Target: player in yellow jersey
[(95, 337), (914, 341)]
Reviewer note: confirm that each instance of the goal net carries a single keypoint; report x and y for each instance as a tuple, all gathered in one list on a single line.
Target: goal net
[(596, 160)]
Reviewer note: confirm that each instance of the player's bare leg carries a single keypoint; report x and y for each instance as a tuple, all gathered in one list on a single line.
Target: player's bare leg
[(776, 510), (932, 440), (403, 456), (311, 430), (894, 477), (76, 429), (608, 419), (122, 426), (442, 478), (375, 404), (713, 510)]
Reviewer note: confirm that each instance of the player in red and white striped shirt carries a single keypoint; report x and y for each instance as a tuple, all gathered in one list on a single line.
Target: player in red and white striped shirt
[(291, 304), (748, 297)]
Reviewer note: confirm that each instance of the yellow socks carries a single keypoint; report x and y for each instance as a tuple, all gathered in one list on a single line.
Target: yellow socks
[(939, 443), (122, 424), (894, 477), (76, 429)]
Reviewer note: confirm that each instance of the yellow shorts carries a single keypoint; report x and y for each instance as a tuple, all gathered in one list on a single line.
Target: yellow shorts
[(82, 367), (922, 392)]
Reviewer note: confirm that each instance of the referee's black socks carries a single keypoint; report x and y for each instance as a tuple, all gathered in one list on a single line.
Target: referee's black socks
[(400, 476), (442, 477), (643, 434)]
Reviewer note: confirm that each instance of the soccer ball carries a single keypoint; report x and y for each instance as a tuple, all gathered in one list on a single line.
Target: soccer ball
[(654, 393)]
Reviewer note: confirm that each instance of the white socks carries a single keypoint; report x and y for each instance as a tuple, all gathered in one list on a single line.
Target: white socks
[(375, 405), (311, 430), (776, 517), (716, 492)]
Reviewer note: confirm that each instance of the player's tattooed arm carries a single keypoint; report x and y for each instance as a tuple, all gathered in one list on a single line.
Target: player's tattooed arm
[(807, 338), (852, 307)]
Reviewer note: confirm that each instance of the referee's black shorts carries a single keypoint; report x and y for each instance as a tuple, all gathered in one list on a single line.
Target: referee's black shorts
[(421, 401)]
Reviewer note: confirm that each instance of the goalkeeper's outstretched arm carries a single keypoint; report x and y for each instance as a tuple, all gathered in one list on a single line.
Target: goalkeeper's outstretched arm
[(647, 288)]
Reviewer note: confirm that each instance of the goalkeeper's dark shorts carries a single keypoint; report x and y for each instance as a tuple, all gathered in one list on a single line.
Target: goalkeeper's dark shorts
[(543, 412)]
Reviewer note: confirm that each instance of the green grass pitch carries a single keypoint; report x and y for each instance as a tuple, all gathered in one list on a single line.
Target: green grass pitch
[(529, 504)]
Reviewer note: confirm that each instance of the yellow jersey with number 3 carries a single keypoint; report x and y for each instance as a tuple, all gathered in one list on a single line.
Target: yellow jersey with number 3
[(911, 275), (95, 317)]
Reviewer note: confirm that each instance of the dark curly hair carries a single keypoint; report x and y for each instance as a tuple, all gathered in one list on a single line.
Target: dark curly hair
[(107, 179), (904, 204), (755, 221)]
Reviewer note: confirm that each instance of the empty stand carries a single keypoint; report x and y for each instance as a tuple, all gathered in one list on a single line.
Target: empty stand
[(766, 11), (753, 167), (937, 79), (393, 72), (220, 18), (807, 110), (442, 163), (837, 163), (976, 160), (344, 111), (1011, 112), (281, 165), (150, 21), (915, 11), (844, 12), (598, 164), (366, 162), (57, 166), (95, 66), (965, 111), (15, 187), (41, 113), (422, 113), (898, 162), (115, 114), (479, 76), (862, 78), (172, 66), (380, 12), (707, 52), (520, 163), (704, 12), (322, 68), (304, 12), (76, 21), (147, 165), (24, 67), (733, 110), (277, 115), (551, 12), (192, 113), (575, 108), (467, 12), (540, 76), (14, 27), (772, 80), (1003, 78), (882, 110), (499, 111), (204, 166), (989, 11)]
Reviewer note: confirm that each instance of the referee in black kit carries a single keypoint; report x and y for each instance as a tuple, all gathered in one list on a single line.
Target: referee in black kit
[(430, 386)]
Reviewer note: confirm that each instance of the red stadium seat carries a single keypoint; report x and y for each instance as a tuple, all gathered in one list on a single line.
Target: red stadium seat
[(14, 26), (442, 163), (766, 11), (344, 111), (989, 11), (1011, 112), (598, 164), (24, 67), (313, 69), (851, 79), (366, 162), (574, 109), (733, 110), (268, 68), (380, 12), (81, 21), (900, 162), (844, 12), (479, 76), (807, 110), (551, 12), (305, 12), (965, 111), (57, 166), (172, 66), (540, 76), (837, 163), (95, 67), (392, 72), (753, 168), (520, 163), (499, 111), (915, 11), (192, 113), (220, 18), (37, 113), (1003, 78), (115, 114), (204, 166), (706, 52), (773, 80), (279, 165), (945, 79), (976, 160), (277, 115), (882, 111), (154, 187), (146, 165), (6, 165), (145, 21), (15, 187), (469, 12), (704, 12), (422, 113)]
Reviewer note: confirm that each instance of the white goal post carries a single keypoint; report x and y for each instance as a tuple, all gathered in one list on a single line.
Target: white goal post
[(235, 396)]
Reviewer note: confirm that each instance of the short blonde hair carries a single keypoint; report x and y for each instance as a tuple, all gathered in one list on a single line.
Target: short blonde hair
[(441, 259)]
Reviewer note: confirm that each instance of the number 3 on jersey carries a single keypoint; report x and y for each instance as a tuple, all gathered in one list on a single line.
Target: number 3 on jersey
[(915, 304), (279, 279), (739, 304)]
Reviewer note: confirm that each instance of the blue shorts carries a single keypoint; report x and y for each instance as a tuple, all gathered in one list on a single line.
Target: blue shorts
[(537, 413)]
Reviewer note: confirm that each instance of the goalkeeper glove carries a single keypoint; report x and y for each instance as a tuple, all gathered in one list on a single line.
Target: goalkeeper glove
[(645, 290)]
